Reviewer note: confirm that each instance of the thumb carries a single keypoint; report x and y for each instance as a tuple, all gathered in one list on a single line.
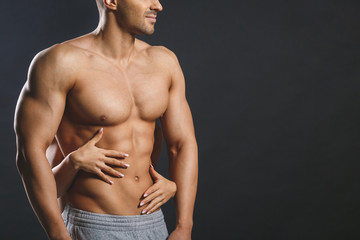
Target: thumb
[(154, 174), (98, 135)]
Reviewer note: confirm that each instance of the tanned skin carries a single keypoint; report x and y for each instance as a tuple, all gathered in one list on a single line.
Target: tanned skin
[(109, 87), (158, 194)]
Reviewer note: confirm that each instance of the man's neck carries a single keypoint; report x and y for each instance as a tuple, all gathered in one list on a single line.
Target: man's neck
[(114, 42)]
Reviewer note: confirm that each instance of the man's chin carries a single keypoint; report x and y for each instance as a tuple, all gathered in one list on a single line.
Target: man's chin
[(147, 31)]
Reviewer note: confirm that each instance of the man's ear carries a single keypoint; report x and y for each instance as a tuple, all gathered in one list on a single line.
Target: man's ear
[(110, 4)]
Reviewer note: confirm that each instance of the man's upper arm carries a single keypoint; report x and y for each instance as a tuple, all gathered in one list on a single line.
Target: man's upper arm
[(42, 101), (177, 120)]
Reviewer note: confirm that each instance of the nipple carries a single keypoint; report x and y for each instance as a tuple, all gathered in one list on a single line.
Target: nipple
[(102, 117)]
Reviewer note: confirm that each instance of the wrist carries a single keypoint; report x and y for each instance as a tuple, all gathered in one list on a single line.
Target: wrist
[(71, 160), (186, 225), (67, 237), (59, 235)]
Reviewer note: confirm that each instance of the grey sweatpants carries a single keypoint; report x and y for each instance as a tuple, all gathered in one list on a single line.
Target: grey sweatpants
[(83, 225)]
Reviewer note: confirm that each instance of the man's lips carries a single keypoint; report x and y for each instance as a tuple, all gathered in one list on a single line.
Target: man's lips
[(151, 18)]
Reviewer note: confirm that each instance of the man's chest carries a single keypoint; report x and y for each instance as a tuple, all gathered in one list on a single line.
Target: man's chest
[(109, 96)]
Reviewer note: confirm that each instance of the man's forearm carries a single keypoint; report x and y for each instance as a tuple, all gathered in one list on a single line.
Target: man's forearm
[(40, 187), (184, 172)]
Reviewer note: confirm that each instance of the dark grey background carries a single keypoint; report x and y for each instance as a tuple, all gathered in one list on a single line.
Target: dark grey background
[(274, 91)]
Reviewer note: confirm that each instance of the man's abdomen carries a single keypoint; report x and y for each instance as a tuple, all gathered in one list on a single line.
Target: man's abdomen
[(91, 194)]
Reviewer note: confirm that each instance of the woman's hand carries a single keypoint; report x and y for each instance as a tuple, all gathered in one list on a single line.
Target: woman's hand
[(92, 159), (158, 194)]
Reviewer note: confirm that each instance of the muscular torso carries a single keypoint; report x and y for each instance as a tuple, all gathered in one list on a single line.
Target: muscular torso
[(125, 101)]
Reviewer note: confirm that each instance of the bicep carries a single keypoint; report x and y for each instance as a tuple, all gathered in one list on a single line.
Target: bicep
[(177, 120), (37, 118), (40, 106)]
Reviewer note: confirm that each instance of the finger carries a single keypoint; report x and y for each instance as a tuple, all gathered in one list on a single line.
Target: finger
[(98, 135), (111, 171), (104, 177), (153, 204), (150, 198), (114, 154), (156, 207), (155, 175), (115, 162), (151, 189)]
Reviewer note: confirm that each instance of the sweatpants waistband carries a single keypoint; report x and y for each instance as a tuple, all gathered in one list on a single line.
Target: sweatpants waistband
[(112, 222)]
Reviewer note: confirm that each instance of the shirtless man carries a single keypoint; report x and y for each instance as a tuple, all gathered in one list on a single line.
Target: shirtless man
[(157, 194), (109, 87)]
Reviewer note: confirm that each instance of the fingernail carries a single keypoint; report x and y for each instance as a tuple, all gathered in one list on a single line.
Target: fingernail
[(141, 204), (126, 155), (143, 211), (151, 166), (148, 212), (121, 175), (101, 130), (127, 165), (145, 194), (111, 182)]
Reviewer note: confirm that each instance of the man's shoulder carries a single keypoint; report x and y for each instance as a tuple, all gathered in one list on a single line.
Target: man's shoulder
[(163, 54), (56, 64), (58, 55), (160, 54)]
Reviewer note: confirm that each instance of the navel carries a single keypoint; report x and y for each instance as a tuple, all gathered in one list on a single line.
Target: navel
[(137, 178)]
